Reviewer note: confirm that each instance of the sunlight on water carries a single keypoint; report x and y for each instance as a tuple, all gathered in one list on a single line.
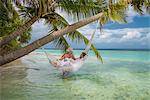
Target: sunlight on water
[(121, 77)]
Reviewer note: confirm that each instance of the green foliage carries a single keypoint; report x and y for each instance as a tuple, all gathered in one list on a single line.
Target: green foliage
[(103, 19), (138, 5), (147, 6), (9, 27), (7, 9), (9, 22), (116, 11), (61, 43), (77, 8), (80, 8), (30, 8), (4, 13)]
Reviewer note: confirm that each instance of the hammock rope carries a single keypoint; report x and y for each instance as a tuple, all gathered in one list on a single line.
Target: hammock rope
[(90, 41), (47, 56)]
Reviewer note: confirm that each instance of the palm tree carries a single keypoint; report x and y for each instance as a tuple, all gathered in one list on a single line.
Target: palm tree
[(67, 30), (44, 7), (50, 17), (52, 36), (79, 9)]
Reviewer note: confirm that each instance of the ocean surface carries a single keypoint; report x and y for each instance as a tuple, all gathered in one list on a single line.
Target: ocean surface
[(124, 75)]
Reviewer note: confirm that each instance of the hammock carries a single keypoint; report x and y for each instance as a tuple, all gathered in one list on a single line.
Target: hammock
[(70, 65)]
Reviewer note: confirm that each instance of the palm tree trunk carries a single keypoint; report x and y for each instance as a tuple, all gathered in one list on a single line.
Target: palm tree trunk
[(38, 43), (19, 31)]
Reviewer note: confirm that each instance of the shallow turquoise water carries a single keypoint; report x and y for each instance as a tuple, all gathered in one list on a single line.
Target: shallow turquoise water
[(112, 54), (125, 75)]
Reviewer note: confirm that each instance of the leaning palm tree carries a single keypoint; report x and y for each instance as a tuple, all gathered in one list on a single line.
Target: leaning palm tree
[(33, 9), (44, 7), (29, 11), (46, 39), (66, 30), (86, 10)]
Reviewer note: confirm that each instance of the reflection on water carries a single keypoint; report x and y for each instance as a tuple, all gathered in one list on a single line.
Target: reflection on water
[(113, 80)]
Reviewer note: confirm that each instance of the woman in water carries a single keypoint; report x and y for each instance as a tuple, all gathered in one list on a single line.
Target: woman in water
[(68, 54), (65, 58)]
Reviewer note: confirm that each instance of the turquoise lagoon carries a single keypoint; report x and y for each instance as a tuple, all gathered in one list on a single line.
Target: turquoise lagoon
[(124, 75)]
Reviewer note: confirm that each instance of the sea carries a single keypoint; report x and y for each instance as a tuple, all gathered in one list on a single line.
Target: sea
[(123, 75)]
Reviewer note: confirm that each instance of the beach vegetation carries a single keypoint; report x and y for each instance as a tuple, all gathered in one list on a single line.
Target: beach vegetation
[(9, 21)]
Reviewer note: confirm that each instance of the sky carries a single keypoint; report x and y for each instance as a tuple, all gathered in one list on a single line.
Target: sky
[(132, 35)]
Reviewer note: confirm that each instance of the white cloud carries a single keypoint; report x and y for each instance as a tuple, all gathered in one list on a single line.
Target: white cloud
[(146, 39), (126, 35), (105, 36), (130, 35)]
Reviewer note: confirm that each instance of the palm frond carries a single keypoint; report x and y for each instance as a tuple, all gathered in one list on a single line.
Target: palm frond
[(82, 8), (137, 5), (147, 6), (77, 36), (40, 7), (140, 5), (9, 8), (116, 11), (61, 43), (103, 19), (55, 20), (26, 12)]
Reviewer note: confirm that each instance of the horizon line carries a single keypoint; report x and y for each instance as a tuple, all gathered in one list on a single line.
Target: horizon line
[(130, 49)]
